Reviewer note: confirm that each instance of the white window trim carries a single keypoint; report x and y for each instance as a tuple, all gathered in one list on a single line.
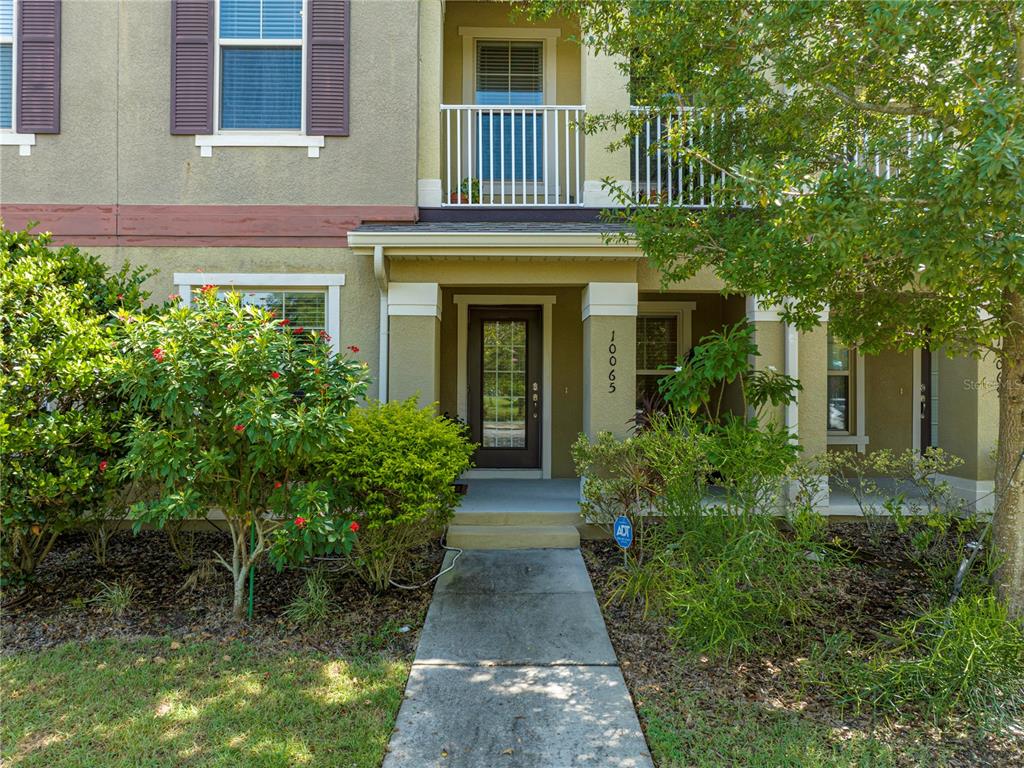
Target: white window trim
[(857, 438), (9, 136), (332, 283), (546, 35), (258, 138)]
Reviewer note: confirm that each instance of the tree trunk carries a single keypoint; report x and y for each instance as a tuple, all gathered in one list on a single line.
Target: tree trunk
[(238, 600), (1008, 524)]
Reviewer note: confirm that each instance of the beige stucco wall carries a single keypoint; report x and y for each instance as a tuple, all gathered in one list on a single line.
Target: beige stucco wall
[(969, 413), (115, 144), (359, 311), (606, 409), (414, 368)]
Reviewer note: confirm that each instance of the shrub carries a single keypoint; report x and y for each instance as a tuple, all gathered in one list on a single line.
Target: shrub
[(314, 604), (733, 583), (398, 466), (965, 660), (235, 410), (631, 476), (60, 413)]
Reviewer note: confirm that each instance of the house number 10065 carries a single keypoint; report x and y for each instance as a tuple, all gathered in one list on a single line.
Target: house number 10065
[(612, 361)]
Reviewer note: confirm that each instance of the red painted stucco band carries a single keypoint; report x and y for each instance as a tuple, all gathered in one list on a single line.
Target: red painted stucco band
[(279, 226)]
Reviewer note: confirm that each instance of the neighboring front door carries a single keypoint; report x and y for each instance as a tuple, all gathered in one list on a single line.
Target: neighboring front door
[(505, 386)]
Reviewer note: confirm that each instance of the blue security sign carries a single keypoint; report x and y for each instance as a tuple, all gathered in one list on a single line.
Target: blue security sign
[(623, 531)]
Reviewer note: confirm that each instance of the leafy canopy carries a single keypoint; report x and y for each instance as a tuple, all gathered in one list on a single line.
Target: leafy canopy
[(877, 144)]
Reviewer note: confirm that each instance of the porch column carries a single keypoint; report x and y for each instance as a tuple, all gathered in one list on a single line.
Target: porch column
[(604, 89), (609, 357), (968, 423), (770, 337), (414, 359), (804, 356), (431, 20)]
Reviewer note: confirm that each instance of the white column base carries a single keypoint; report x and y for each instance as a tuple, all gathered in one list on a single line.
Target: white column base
[(428, 193), (971, 491), (596, 195)]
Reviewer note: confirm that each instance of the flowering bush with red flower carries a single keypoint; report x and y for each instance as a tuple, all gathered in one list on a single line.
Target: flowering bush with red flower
[(215, 430), (60, 416)]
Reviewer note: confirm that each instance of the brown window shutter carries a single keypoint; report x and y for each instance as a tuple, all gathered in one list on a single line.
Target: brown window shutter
[(192, 45), (38, 68), (328, 67)]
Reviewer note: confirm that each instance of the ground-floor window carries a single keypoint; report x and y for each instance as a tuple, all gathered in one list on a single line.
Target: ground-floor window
[(841, 361), (662, 338), (311, 302)]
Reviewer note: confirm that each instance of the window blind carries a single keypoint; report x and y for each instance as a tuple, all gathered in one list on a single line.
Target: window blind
[(509, 72), (261, 88), (6, 84), (261, 19)]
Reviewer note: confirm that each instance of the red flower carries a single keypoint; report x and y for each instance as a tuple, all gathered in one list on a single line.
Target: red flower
[(208, 287), (285, 321), (239, 428), (325, 335), (275, 375), (277, 484), (300, 522), (353, 349), (158, 355), (298, 330), (120, 297), (103, 466), (354, 527), (174, 297)]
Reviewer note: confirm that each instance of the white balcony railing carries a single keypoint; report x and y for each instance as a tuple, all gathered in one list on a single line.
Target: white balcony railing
[(660, 176), (512, 155)]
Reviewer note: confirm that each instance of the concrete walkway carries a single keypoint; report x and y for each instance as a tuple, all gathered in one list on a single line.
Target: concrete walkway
[(514, 668)]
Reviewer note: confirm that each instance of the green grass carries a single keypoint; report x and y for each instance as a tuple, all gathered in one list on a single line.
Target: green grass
[(144, 704), (700, 731)]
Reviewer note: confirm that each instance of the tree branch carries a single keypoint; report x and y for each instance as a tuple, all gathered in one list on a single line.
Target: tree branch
[(890, 108)]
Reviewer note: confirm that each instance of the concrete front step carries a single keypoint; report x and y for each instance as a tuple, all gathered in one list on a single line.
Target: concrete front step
[(513, 536), (507, 517)]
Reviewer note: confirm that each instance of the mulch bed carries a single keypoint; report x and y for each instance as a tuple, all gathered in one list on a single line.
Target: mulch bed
[(877, 586), (167, 603)]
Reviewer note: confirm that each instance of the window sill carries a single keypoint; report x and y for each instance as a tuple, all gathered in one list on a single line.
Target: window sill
[(206, 143), (24, 141), (844, 439)]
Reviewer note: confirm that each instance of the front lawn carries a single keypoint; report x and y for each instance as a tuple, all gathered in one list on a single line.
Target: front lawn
[(158, 702), (169, 680)]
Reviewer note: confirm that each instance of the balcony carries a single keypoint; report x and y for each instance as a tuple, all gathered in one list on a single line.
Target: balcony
[(522, 156)]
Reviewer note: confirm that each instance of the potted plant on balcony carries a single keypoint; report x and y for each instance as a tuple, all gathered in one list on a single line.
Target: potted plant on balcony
[(469, 191)]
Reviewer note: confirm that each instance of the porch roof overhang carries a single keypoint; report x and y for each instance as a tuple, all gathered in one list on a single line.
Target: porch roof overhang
[(496, 240)]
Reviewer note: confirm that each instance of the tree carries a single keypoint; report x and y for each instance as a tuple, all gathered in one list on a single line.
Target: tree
[(866, 156), (234, 410), (60, 415)]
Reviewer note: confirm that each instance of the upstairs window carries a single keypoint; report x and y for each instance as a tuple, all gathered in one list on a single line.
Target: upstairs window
[(6, 64), (509, 72), (260, 55)]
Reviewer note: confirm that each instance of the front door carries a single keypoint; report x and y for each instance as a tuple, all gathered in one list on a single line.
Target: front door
[(505, 386)]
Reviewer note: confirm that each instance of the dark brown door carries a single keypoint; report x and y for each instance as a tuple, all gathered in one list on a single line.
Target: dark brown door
[(505, 385)]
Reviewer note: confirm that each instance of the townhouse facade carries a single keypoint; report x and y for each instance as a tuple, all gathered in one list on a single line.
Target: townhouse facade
[(410, 176)]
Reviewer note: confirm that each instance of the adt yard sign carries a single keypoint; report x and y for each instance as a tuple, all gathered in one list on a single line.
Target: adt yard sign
[(623, 531)]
